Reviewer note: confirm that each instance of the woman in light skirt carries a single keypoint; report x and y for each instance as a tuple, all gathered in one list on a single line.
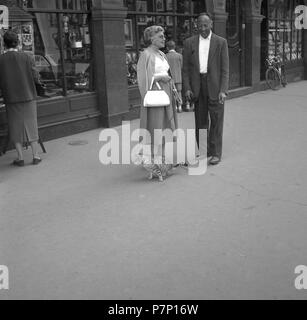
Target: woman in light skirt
[(153, 65)]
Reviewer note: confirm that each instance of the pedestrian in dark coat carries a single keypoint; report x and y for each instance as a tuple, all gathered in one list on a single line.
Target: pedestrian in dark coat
[(17, 84)]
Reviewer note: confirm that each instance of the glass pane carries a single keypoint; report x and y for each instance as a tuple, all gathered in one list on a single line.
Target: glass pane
[(130, 4), (171, 6), (233, 19), (184, 6), (294, 44), (287, 46), (47, 52), (141, 28), (183, 31), (288, 10), (299, 45), (77, 53), (131, 62), (272, 9), (198, 7), (141, 6), (271, 43), (272, 25), (159, 6), (169, 27)]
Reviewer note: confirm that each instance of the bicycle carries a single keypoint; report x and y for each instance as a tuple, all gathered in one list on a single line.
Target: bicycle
[(275, 75)]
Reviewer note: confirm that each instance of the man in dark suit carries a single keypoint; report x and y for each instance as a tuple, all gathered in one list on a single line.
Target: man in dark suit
[(206, 80)]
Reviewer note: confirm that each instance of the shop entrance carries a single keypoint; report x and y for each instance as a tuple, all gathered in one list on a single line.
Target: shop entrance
[(236, 43)]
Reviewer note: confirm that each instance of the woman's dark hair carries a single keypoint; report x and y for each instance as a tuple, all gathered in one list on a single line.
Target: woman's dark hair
[(10, 39)]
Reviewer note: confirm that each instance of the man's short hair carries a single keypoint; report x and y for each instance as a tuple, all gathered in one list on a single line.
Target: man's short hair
[(150, 32), (10, 39), (205, 14), (171, 45)]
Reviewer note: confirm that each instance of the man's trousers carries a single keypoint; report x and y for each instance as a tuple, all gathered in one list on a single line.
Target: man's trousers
[(209, 114)]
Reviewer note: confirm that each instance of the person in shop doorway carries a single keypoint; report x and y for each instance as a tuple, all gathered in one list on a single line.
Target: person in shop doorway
[(175, 61)]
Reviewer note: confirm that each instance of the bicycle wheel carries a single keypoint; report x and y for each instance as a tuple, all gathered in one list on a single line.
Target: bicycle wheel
[(273, 78)]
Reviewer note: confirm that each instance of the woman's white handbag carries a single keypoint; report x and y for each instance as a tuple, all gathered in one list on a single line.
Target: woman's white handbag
[(156, 98)]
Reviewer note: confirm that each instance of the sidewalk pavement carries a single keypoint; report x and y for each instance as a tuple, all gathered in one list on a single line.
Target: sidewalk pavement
[(72, 228)]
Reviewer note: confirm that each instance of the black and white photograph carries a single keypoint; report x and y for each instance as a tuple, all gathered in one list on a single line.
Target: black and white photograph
[(153, 154)]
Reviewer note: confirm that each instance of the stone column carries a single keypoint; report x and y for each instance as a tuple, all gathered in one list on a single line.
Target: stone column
[(217, 8), (253, 49), (253, 20), (220, 21), (110, 60)]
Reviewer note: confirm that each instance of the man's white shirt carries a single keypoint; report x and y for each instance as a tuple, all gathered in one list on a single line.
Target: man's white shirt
[(204, 47)]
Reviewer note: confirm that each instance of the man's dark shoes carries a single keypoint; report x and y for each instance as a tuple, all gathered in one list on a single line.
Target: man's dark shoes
[(214, 161), (36, 161), (18, 163)]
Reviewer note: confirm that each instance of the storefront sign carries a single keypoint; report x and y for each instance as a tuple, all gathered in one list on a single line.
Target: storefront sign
[(4, 17), (301, 19)]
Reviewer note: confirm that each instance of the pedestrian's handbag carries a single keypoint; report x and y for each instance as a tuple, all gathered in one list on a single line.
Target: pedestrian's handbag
[(156, 98)]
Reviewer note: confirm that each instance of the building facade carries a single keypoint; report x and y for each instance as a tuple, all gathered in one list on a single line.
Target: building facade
[(86, 50)]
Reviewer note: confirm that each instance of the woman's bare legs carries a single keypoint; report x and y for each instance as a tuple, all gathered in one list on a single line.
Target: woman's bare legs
[(34, 147), (18, 147)]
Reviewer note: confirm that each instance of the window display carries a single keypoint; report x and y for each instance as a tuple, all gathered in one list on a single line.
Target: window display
[(284, 39), (178, 18), (62, 45)]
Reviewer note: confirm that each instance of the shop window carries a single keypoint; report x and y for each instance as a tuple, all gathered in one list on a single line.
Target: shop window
[(62, 45), (284, 40), (177, 17), (233, 22)]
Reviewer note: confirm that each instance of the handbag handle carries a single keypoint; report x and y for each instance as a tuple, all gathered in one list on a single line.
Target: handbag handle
[(152, 83)]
